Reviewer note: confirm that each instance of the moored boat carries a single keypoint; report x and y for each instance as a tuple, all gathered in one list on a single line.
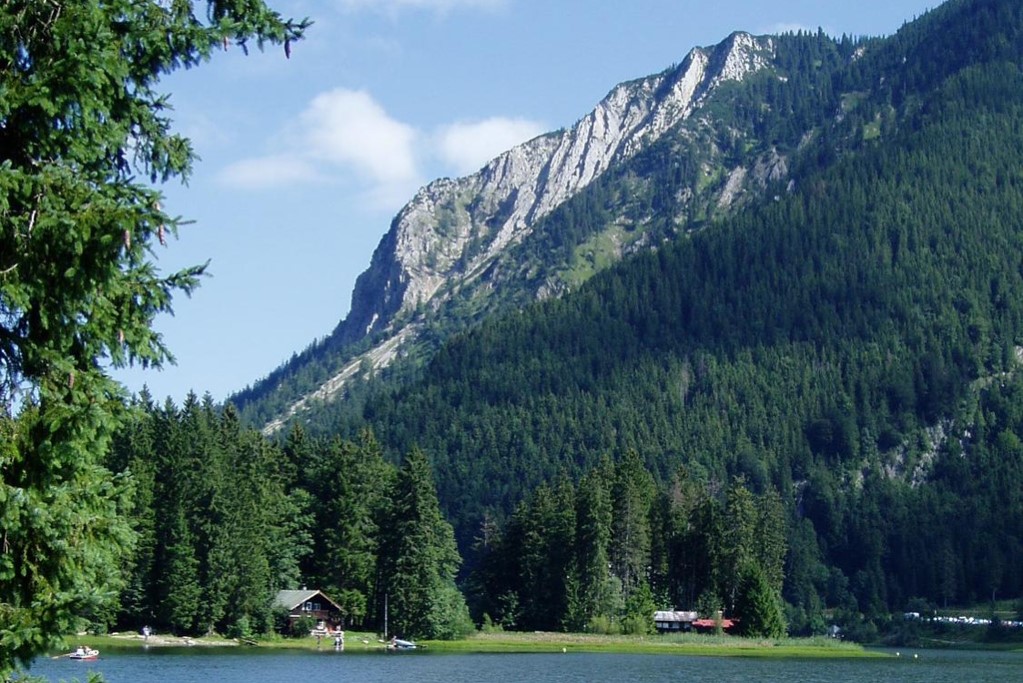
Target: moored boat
[(399, 644), (83, 653)]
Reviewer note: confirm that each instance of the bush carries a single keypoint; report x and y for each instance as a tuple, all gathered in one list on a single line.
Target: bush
[(451, 615), (301, 627), (604, 625), (759, 606), (636, 625), (241, 628), (488, 625)]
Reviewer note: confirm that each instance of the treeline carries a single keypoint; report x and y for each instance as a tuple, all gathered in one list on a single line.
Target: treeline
[(225, 519), (603, 554)]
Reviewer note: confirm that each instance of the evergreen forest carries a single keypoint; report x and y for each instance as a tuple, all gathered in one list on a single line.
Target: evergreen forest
[(225, 518), (802, 411), (850, 344)]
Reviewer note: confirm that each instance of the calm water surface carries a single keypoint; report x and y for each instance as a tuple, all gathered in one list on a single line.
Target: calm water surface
[(216, 666)]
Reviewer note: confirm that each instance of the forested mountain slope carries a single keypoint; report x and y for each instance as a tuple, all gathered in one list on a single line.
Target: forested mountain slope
[(658, 158), (851, 341), (778, 354)]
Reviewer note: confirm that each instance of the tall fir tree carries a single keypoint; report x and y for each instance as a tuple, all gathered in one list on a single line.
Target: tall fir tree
[(632, 495), (418, 558), (592, 592), (352, 483)]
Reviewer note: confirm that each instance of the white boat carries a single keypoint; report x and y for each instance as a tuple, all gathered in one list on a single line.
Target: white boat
[(398, 644), (84, 653)]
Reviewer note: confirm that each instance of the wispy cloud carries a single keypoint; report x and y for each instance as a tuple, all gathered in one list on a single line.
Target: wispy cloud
[(268, 171), (342, 136), (466, 146), (346, 127), (347, 136)]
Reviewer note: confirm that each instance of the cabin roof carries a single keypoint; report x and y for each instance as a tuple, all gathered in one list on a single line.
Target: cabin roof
[(674, 616), (292, 599), (712, 623)]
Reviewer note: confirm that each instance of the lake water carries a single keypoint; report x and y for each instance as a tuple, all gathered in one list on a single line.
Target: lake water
[(218, 666)]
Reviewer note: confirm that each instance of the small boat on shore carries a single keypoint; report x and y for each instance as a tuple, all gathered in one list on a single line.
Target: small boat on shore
[(398, 644), (83, 653)]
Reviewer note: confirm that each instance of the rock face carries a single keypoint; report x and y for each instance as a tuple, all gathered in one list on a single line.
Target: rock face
[(452, 231)]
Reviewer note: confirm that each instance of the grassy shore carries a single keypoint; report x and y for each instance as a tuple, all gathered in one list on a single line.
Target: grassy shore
[(510, 642), (675, 644), (354, 641)]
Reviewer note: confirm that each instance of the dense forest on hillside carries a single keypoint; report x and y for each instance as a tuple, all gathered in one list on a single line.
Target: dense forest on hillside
[(813, 396), (674, 185), (839, 343), (669, 187), (225, 519)]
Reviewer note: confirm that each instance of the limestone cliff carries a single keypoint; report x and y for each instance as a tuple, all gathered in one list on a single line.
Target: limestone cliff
[(454, 230)]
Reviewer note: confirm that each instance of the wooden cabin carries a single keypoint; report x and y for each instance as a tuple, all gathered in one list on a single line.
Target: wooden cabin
[(310, 603), (668, 621)]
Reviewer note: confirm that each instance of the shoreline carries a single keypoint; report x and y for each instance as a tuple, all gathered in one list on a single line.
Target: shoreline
[(509, 642), (668, 644)]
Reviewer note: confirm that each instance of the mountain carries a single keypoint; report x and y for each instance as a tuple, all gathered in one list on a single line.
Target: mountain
[(812, 281), (658, 158), (467, 248)]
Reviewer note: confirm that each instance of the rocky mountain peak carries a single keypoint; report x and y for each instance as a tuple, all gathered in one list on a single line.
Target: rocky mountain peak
[(454, 229), (498, 205)]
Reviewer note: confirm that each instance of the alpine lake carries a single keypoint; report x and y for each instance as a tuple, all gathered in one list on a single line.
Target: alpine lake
[(230, 665)]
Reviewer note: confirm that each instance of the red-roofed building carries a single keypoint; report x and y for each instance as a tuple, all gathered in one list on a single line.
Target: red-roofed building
[(710, 625)]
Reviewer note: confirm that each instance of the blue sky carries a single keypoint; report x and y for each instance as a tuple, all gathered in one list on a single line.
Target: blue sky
[(304, 161)]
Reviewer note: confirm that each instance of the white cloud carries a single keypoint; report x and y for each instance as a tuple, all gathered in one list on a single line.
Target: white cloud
[(346, 127), (346, 136), (342, 135), (465, 147)]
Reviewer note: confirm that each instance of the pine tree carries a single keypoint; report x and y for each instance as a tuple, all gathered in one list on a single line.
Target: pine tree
[(133, 451), (179, 589), (632, 495), (758, 606), (738, 540), (592, 592), (352, 483), (418, 558)]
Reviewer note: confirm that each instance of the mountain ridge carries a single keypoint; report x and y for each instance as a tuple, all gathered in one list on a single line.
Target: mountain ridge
[(824, 338), (463, 249), (453, 230)]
